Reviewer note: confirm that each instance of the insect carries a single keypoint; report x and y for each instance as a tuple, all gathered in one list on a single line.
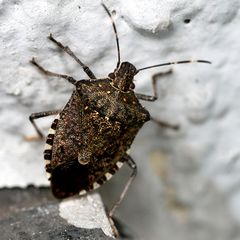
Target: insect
[(89, 139)]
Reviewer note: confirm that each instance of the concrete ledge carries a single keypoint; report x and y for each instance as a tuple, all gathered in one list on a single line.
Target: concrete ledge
[(74, 218)]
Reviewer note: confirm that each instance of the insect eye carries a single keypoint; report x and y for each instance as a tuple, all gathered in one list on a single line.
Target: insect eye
[(111, 75)]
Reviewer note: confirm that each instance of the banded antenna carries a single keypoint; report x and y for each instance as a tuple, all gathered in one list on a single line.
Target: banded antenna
[(152, 66), (115, 32), (173, 63)]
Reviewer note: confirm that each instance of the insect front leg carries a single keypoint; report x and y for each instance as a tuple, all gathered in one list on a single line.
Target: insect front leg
[(133, 167), (46, 72), (66, 49), (155, 78), (34, 116)]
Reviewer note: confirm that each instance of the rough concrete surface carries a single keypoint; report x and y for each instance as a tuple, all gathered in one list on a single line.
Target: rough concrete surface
[(88, 212), (33, 213), (38, 220), (188, 182)]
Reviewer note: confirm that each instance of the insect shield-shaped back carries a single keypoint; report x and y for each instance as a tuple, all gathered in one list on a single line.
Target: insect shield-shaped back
[(123, 76), (93, 133)]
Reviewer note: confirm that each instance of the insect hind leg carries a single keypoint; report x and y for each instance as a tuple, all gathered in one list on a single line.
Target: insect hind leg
[(133, 167)]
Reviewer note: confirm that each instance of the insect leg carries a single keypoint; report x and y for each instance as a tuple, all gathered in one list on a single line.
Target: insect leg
[(165, 124), (155, 78), (69, 52), (70, 79), (133, 166), (34, 116)]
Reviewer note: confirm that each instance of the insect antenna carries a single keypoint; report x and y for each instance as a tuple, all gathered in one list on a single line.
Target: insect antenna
[(173, 63), (115, 32)]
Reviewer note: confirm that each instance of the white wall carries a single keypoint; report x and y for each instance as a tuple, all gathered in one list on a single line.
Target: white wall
[(188, 182)]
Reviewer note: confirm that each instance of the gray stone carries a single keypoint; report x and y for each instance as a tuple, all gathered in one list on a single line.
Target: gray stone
[(33, 213)]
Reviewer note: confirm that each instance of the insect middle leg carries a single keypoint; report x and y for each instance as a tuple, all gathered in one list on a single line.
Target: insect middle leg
[(133, 167), (66, 49), (34, 116)]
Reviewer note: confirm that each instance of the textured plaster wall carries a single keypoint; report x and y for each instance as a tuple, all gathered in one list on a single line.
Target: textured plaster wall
[(188, 186)]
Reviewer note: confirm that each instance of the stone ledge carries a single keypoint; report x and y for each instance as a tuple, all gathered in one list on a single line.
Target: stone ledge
[(48, 218)]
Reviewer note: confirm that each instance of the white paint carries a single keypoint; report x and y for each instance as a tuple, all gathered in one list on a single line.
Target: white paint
[(203, 99), (86, 212)]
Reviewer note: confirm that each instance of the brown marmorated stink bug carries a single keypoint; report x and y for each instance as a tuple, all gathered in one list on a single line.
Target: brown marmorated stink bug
[(88, 140)]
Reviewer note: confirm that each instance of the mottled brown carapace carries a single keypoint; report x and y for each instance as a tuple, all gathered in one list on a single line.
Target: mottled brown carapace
[(88, 141), (92, 134)]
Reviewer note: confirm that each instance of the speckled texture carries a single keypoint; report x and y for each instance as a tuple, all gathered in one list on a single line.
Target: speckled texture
[(188, 182)]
